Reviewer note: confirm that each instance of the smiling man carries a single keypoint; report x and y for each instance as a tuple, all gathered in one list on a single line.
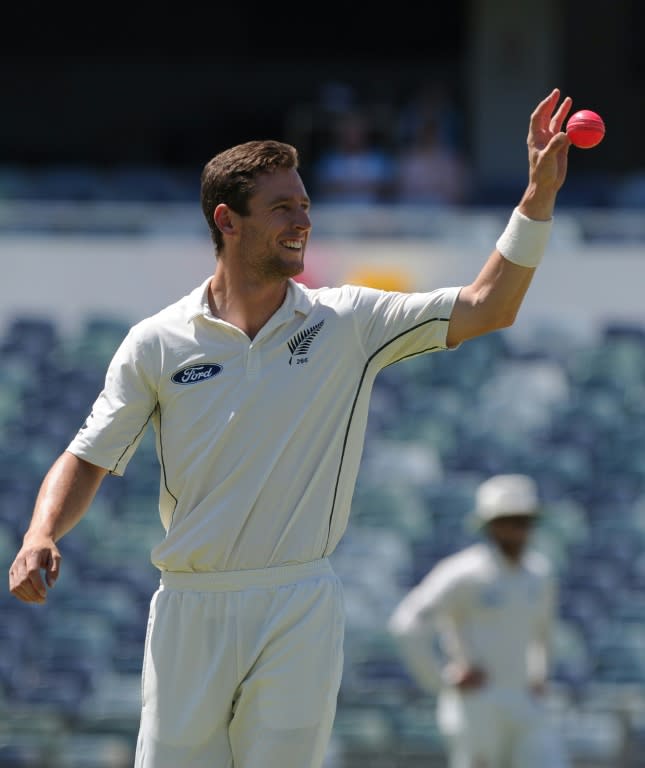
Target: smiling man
[(258, 389)]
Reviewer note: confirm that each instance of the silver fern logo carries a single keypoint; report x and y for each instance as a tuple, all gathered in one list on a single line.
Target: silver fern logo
[(300, 343)]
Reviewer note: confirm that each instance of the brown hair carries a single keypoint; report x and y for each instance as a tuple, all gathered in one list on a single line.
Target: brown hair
[(230, 176)]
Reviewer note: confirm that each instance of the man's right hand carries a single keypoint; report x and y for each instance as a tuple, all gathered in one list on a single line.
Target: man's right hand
[(37, 554)]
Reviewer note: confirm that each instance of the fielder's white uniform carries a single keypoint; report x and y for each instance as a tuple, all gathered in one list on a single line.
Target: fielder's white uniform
[(259, 444), (487, 613)]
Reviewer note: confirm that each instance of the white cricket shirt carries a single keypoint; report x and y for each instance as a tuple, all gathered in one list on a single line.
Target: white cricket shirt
[(259, 442), (486, 612)]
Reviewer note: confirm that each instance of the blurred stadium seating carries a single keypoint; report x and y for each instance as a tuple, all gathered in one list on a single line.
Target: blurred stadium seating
[(69, 671)]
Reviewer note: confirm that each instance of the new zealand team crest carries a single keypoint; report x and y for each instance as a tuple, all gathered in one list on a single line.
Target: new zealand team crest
[(300, 343)]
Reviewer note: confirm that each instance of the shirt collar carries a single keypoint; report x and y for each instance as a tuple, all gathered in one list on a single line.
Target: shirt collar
[(197, 301), (299, 297), (296, 300)]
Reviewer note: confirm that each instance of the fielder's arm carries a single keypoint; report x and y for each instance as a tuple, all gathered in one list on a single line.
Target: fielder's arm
[(64, 496)]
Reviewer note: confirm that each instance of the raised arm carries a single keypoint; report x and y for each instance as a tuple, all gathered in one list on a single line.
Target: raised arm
[(493, 299), (64, 496)]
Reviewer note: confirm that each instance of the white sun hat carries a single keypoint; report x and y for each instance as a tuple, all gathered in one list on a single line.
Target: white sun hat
[(506, 495)]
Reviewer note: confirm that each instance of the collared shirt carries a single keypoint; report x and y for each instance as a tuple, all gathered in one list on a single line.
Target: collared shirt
[(486, 612), (259, 441)]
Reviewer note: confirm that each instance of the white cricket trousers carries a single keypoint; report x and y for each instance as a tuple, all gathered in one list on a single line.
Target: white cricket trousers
[(242, 669), (498, 728)]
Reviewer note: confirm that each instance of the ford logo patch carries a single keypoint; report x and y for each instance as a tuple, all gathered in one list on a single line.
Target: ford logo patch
[(196, 373)]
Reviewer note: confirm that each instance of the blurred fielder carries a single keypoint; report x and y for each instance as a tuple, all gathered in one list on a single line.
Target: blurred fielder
[(477, 631)]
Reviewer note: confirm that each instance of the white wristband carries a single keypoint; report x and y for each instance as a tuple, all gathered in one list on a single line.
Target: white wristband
[(524, 240)]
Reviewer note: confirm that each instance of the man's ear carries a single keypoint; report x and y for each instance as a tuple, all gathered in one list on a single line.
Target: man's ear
[(224, 219)]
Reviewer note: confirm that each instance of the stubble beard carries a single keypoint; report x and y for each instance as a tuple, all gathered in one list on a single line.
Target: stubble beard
[(281, 268)]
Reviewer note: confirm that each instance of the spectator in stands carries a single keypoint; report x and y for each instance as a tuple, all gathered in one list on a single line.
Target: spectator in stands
[(477, 631), (429, 171), (431, 98), (258, 388), (354, 167)]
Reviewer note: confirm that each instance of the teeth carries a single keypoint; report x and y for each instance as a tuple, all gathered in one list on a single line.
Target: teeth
[(292, 243)]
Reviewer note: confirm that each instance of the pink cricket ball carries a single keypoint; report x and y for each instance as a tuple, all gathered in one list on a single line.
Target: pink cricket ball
[(585, 129)]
